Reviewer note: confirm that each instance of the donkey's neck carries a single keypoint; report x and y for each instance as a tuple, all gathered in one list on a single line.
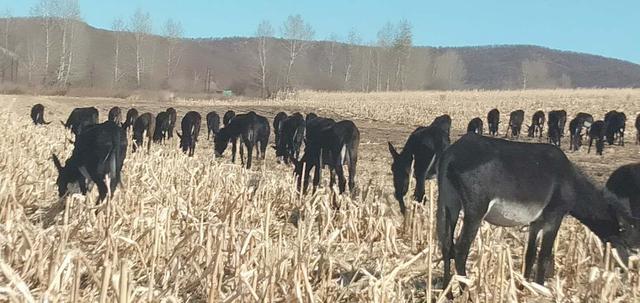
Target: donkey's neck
[(594, 211)]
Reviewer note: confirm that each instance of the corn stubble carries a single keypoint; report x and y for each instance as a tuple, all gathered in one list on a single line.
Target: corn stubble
[(201, 229)]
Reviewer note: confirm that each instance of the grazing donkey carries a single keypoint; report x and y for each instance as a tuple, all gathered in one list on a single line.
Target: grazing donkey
[(252, 129), (575, 134), (173, 117), (582, 120), (228, 116), (81, 118), (332, 145), (144, 124), (132, 115), (291, 134), (163, 126), (190, 125), (624, 184), (615, 123), (264, 131), (537, 124), (277, 120), (442, 122), (98, 153), (37, 115), (314, 127), (555, 127), (115, 115), (596, 133), (213, 124), (587, 120), (493, 120), (516, 118), (475, 126), (562, 119), (512, 184), (423, 148)]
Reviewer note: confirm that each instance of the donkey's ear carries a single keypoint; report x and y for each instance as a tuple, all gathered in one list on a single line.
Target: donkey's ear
[(393, 151), (56, 162)]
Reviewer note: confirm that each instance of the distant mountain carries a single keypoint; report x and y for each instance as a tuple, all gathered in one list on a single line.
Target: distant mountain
[(231, 63)]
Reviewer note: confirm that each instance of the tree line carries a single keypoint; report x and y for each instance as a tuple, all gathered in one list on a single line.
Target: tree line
[(55, 48), (55, 57), (377, 66)]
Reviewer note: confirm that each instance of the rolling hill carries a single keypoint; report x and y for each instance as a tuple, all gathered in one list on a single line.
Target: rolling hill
[(232, 63)]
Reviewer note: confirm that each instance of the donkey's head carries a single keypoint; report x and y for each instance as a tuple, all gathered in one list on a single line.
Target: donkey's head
[(65, 176), (400, 168), (221, 141)]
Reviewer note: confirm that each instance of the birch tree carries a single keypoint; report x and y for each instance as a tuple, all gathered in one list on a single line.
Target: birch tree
[(385, 37), (31, 62), (140, 27), (117, 26), (331, 52), (353, 43), (69, 12), (7, 27), (297, 34), (47, 11), (402, 43), (264, 32), (173, 32)]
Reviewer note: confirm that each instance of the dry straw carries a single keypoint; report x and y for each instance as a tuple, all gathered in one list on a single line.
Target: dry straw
[(198, 229)]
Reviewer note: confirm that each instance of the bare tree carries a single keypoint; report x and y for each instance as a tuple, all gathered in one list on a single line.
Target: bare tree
[(264, 32), (402, 43), (353, 44), (330, 52), (366, 87), (535, 74), (385, 38), (449, 71), (117, 26), (32, 61), (69, 12), (173, 32), (141, 28), (297, 34), (6, 14), (47, 11)]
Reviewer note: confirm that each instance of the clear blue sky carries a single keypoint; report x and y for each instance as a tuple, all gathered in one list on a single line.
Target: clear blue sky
[(609, 28)]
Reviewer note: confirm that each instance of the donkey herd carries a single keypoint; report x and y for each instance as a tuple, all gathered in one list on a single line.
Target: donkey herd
[(506, 183)]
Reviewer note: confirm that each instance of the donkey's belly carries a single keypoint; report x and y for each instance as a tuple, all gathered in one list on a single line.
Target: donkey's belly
[(512, 213)]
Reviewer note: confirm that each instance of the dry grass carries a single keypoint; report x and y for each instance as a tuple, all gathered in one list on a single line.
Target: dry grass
[(202, 229)]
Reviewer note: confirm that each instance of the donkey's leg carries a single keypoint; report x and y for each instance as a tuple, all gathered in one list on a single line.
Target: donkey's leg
[(545, 256), (534, 230)]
